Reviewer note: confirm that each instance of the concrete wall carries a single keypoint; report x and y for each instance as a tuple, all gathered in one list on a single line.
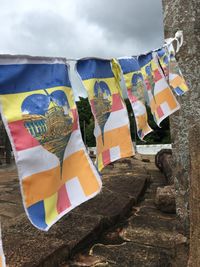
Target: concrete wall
[(144, 149)]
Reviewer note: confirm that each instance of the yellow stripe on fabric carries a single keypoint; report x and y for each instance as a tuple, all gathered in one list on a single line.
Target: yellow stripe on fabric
[(184, 87), (128, 79), (11, 103), (89, 85), (100, 162), (178, 81), (142, 122), (153, 65), (1, 261), (50, 206), (116, 69)]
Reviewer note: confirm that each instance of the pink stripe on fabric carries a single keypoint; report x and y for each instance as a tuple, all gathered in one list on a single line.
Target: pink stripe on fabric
[(106, 157), (132, 98), (117, 102), (75, 118), (22, 139), (157, 75), (63, 201), (160, 112)]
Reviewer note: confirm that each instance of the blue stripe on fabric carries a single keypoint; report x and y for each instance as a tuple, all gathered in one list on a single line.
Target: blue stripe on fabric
[(94, 68), (28, 77), (144, 59), (129, 65), (37, 215), (161, 52), (140, 133), (178, 91)]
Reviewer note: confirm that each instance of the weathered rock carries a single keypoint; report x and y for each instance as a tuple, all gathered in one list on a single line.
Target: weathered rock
[(163, 161), (130, 254), (184, 15), (87, 261), (148, 237), (146, 160), (165, 199), (26, 246)]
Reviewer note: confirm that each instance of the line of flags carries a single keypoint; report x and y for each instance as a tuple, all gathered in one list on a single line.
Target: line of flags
[(40, 115)]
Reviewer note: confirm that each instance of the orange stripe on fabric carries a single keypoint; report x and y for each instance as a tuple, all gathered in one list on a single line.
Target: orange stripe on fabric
[(175, 82), (142, 121), (42, 185), (164, 96), (2, 262), (78, 165), (116, 137)]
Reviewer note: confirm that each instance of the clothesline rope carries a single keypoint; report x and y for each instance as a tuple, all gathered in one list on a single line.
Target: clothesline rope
[(178, 38)]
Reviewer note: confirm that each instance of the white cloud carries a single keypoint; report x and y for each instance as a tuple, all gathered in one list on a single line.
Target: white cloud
[(77, 28), (80, 28)]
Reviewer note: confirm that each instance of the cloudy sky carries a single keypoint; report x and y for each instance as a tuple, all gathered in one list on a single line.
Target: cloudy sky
[(80, 28)]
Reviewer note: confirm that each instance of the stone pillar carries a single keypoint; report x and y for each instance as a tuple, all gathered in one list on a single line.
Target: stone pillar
[(185, 124)]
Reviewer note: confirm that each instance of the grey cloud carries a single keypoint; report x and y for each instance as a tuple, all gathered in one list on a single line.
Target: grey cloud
[(80, 28), (77, 28), (41, 33), (139, 22)]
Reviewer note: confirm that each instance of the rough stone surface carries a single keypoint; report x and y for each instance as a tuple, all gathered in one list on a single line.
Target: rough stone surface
[(148, 237), (119, 227), (10, 197), (165, 199), (26, 246), (185, 15), (163, 161), (194, 136)]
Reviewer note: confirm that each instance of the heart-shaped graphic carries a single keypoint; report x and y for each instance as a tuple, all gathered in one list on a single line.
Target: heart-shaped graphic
[(138, 89), (102, 104), (151, 79), (47, 118)]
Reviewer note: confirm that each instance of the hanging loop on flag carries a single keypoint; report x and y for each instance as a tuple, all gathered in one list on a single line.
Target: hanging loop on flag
[(179, 39)]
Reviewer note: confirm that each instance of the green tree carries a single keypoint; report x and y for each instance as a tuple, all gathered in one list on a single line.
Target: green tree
[(158, 136), (85, 116)]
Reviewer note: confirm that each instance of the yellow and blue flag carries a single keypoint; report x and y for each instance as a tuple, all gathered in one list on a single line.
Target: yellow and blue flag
[(168, 63), (112, 130), (160, 97), (41, 119), (137, 93)]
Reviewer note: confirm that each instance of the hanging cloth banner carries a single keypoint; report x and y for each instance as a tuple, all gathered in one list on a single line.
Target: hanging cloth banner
[(160, 97), (136, 93), (41, 119), (113, 140), (2, 257), (167, 60)]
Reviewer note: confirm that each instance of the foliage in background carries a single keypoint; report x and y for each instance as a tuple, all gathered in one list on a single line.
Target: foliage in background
[(158, 136), (85, 115)]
